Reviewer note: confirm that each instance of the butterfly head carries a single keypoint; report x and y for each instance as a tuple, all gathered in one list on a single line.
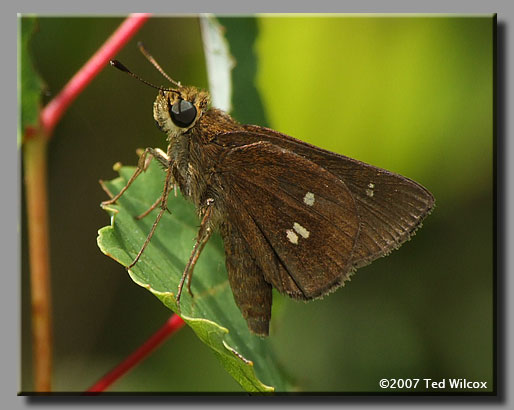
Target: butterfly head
[(176, 111)]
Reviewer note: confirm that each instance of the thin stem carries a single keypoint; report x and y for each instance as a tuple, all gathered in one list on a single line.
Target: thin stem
[(55, 109), (173, 324), (35, 164)]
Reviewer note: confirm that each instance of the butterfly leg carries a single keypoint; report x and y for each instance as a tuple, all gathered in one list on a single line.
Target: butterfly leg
[(142, 165), (145, 213), (163, 158), (204, 234), (164, 161)]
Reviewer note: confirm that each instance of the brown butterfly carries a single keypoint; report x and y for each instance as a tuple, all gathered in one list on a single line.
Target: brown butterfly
[(292, 216)]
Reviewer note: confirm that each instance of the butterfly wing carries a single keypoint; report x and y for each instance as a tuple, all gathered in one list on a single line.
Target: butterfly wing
[(251, 291), (301, 228), (390, 207)]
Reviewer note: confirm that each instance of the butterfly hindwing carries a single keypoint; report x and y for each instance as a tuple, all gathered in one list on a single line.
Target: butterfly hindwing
[(251, 291)]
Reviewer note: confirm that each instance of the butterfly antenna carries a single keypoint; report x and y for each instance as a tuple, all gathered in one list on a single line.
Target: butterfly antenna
[(121, 67), (152, 60)]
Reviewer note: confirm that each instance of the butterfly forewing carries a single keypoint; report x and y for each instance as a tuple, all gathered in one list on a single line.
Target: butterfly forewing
[(307, 218), (390, 207)]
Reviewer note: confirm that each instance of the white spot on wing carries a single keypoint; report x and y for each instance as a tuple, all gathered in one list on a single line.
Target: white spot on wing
[(309, 198), (301, 230), (293, 238), (369, 192)]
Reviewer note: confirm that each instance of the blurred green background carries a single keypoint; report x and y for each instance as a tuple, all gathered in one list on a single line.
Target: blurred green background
[(413, 95)]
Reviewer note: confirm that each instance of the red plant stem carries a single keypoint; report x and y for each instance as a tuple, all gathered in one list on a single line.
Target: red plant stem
[(173, 324), (55, 109), (35, 165)]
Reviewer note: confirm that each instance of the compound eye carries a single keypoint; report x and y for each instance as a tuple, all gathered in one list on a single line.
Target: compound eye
[(183, 113)]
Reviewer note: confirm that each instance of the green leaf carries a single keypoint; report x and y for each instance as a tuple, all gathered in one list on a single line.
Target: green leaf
[(241, 34), (30, 84), (212, 312)]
